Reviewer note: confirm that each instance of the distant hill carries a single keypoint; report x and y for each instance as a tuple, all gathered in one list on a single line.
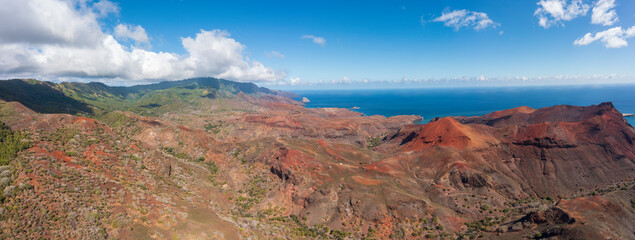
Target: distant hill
[(95, 98), (44, 97)]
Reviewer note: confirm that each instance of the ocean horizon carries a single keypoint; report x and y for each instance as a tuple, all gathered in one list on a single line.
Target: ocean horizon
[(473, 101)]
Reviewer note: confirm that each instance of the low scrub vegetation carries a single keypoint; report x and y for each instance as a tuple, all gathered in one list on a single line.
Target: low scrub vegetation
[(11, 143)]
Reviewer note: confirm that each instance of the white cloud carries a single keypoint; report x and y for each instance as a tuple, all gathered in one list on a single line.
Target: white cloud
[(49, 22), (274, 54), (295, 81), (480, 80), (317, 40), (214, 52), (464, 18), (612, 38), (422, 21), (552, 12), (603, 13), (63, 38), (105, 7), (135, 33)]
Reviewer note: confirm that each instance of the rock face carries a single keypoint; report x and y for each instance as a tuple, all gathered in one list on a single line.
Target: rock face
[(472, 165), (305, 100), (551, 150), (446, 132)]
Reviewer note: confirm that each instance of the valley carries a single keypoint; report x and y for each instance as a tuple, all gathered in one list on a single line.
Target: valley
[(208, 158)]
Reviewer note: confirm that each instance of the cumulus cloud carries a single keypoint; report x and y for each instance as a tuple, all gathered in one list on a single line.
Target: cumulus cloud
[(458, 19), (48, 22), (552, 12), (135, 33), (612, 38), (603, 13), (63, 38), (317, 40), (215, 53)]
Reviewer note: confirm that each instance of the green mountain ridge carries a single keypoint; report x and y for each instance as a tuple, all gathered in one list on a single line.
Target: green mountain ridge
[(97, 98)]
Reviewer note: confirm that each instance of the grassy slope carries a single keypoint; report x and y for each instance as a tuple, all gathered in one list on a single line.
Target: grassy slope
[(97, 98), (41, 97)]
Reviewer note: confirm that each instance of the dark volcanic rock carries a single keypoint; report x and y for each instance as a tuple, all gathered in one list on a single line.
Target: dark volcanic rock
[(553, 215)]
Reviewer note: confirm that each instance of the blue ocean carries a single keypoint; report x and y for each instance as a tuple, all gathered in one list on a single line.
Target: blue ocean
[(441, 102)]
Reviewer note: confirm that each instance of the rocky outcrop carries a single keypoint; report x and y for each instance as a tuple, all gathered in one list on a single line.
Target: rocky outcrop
[(554, 215), (552, 150), (446, 132)]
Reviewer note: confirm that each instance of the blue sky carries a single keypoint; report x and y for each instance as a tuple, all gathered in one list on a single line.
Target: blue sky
[(370, 41)]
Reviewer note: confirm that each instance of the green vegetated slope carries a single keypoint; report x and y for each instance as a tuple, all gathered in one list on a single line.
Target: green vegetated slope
[(98, 98), (10, 144), (44, 97)]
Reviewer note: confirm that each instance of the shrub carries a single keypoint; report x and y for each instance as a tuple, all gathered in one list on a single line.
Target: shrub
[(11, 143), (215, 128), (211, 166), (373, 142), (181, 155), (71, 154), (339, 235)]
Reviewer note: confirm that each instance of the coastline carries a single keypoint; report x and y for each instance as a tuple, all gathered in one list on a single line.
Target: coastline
[(431, 103)]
